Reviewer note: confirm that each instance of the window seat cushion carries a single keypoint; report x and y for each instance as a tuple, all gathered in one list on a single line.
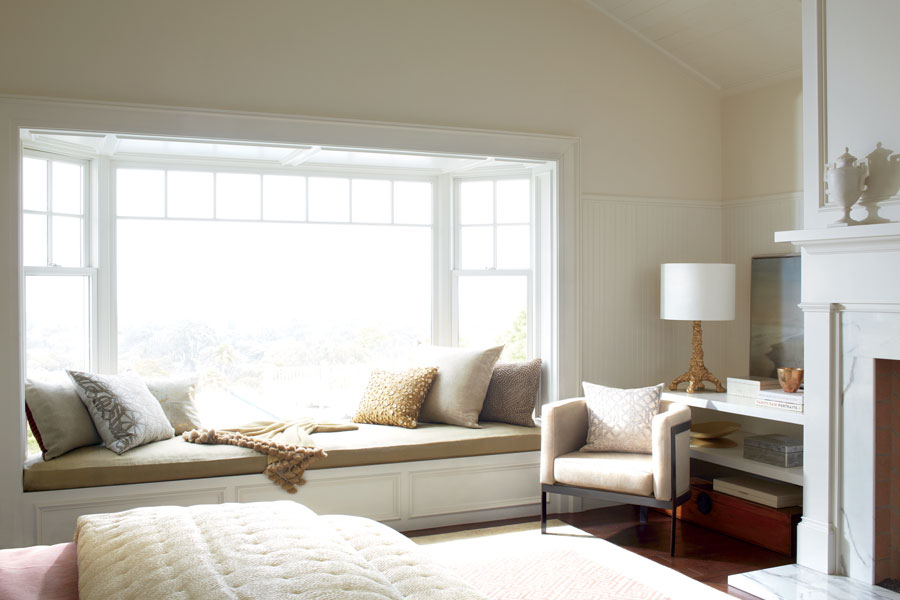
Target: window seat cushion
[(174, 459)]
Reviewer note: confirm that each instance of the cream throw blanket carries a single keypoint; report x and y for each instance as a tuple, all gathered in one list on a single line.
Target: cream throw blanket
[(255, 551), (287, 444)]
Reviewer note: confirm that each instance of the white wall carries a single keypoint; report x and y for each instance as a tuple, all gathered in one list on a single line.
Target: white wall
[(762, 182), (861, 89)]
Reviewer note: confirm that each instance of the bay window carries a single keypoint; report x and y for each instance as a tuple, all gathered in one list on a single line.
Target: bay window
[(279, 286)]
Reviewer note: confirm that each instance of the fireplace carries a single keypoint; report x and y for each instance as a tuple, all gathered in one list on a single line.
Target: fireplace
[(851, 303)]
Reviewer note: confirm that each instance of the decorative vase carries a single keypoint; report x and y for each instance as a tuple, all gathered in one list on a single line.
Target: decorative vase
[(882, 182), (845, 181)]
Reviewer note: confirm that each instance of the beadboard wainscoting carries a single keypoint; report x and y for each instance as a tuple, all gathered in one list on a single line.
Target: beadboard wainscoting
[(748, 227), (624, 241)]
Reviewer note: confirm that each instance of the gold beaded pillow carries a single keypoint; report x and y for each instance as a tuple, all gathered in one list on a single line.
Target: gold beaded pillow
[(393, 398)]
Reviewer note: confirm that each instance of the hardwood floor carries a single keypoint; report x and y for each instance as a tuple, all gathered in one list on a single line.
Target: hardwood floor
[(701, 554)]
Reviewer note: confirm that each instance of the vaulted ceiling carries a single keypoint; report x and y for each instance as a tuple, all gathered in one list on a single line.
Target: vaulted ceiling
[(734, 45)]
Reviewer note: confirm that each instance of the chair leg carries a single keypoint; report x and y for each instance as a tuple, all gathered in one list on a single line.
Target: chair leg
[(543, 512), (672, 536), (644, 514)]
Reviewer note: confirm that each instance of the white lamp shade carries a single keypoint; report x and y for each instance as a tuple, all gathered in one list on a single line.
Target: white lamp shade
[(696, 292)]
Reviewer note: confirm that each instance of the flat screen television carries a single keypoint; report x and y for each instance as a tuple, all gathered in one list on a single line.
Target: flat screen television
[(776, 321)]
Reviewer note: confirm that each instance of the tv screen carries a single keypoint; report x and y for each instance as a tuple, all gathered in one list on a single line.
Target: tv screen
[(776, 322)]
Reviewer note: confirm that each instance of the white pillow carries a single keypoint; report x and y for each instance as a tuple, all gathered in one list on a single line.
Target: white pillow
[(620, 420), (177, 399), (124, 411), (458, 391)]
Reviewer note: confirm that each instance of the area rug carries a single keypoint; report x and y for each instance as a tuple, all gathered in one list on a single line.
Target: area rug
[(516, 562)]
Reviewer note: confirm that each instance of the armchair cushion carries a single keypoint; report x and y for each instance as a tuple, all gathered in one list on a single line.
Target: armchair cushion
[(623, 472), (620, 420)]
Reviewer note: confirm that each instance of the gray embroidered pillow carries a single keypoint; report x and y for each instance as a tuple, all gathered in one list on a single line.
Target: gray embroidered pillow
[(512, 393), (124, 411), (620, 420), (177, 399)]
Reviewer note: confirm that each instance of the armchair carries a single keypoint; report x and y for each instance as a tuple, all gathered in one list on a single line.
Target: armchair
[(629, 478)]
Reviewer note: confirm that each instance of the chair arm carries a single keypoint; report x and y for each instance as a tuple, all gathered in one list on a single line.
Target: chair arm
[(661, 432), (563, 429)]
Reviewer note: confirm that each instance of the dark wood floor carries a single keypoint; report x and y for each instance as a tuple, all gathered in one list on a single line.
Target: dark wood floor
[(701, 554)]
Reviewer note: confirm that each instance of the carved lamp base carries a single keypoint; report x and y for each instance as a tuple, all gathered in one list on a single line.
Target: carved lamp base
[(697, 373)]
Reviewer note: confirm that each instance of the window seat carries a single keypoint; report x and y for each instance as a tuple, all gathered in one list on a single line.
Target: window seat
[(175, 459)]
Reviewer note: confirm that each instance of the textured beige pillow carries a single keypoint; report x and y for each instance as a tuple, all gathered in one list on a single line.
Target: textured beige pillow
[(177, 399), (458, 392), (58, 419), (620, 420), (512, 393), (395, 398)]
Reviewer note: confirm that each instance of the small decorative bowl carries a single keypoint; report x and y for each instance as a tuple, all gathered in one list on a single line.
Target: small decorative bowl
[(790, 379)]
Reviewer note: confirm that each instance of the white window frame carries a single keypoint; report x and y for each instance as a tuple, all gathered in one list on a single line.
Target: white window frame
[(88, 267), (533, 301)]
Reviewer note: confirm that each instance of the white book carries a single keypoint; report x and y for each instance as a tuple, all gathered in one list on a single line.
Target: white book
[(792, 406), (749, 388), (781, 396)]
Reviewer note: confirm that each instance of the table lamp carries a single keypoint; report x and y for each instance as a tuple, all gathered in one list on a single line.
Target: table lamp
[(696, 292)]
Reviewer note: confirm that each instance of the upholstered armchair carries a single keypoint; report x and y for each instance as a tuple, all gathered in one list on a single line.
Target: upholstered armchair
[(625, 477)]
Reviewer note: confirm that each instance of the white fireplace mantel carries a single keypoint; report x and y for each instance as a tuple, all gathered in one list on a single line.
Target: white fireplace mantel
[(846, 271)]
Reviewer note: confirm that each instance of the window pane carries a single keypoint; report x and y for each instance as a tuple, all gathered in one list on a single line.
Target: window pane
[(67, 188), (284, 198), (477, 247), (329, 199), (56, 326), (412, 202), (140, 193), (190, 194), (66, 243), (371, 201), (476, 202), (34, 184), (238, 196), (271, 341), (513, 201), (492, 311), (34, 240), (513, 246)]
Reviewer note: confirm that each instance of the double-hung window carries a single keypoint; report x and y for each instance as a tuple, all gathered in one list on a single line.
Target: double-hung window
[(493, 281), (60, 281)]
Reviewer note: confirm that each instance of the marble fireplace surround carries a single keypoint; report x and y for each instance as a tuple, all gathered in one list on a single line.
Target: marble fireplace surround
[(851, 303)]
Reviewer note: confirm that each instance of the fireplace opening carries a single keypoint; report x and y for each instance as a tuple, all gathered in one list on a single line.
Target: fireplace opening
[(887, 474)]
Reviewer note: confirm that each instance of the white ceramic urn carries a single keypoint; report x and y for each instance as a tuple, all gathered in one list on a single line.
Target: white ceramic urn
[(845, 181)]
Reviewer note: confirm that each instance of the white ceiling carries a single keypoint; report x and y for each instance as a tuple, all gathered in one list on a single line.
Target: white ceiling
[(734, 45)]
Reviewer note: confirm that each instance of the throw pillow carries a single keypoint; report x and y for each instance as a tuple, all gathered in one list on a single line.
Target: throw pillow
[(58, 419), (177, 399), (512, 393), (458, 391), (620, 420), (395, 398), (124, 411)]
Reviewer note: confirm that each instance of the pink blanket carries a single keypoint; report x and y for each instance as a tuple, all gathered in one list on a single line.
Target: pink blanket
[(39, 573)]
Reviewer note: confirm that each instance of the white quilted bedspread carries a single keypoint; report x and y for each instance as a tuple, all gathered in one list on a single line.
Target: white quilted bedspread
[(254, 551)]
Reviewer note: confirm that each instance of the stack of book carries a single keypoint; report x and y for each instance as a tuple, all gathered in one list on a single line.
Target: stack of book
[(780, 399)]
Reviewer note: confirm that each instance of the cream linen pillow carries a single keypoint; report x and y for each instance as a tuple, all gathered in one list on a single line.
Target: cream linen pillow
[(458, 391), (58, 419), (124, 411), (620, 420), (177, 399)]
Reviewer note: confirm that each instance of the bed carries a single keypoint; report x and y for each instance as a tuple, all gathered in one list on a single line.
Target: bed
[(249, 551)]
